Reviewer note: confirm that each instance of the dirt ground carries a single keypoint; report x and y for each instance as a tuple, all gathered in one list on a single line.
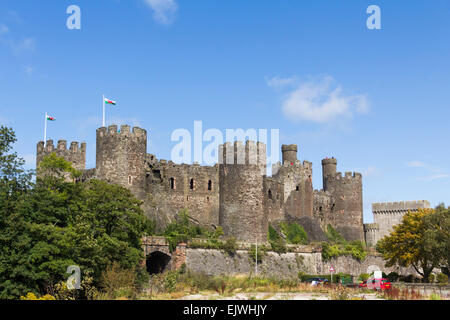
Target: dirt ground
[(273, 296)]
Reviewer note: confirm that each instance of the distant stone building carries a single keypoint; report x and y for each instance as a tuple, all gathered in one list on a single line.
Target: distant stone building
[(235, 193), (388, 214)]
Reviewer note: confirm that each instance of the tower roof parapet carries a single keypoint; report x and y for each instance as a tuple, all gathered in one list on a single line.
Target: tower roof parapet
[(399, 206), (237, 153)]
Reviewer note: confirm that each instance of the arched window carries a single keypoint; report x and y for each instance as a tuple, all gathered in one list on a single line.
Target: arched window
[(270, 194), (209, 185)]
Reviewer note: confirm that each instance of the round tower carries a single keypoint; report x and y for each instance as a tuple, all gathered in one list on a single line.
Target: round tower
[(121, 157), (241, 195), (289, 153), (347, 212), (328, 169)]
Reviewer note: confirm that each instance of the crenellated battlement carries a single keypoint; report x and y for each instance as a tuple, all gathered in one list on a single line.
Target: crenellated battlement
[(400, 207), (371, 227), (249, 154), (76, 154), (356, 176), (124, 131)]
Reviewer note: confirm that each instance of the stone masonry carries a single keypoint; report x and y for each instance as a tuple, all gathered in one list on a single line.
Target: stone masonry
[(236, 193), (388, 214)]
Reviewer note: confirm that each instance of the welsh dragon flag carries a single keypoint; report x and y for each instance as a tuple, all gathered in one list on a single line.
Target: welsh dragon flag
[(50, 118), (108, 101)]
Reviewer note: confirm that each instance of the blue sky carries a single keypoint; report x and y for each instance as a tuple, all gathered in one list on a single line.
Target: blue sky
[(377, 100)]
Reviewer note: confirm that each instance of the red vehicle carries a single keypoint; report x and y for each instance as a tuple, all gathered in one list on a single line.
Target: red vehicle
[(376, 284)]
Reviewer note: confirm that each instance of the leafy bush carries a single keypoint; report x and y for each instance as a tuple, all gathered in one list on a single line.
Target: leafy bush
[(182, 230), (295, 234), (334, 236), (277, 243), (338, 246), (442, 278), (118, 282), (330, 251), (261, 253), (363, 277), (278, 246), (273, 234), (230, 246), (431, 278), (32, 296), (393, 276)]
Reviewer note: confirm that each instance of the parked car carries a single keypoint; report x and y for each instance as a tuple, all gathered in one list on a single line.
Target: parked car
[(376, 284), (317, 280)]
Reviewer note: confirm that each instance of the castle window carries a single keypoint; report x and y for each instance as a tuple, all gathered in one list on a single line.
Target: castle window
[(129, 180), (172, 183), (209, 185), (297, 188), (320, 209), (191, 184), (332, 207), (270, 194)]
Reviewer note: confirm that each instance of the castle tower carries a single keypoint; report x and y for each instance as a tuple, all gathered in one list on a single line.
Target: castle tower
[(388, 214), (241, 195), (328, 169), (121, 157), (347, 211), (289, 153), (76, 154)]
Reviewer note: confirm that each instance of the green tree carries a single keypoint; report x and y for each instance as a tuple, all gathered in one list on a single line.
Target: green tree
[(15, 183), (436, 237), (408, 245), (59, 223)]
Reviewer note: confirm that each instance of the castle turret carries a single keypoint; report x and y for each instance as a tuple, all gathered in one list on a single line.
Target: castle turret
[(121, 157), (347, 209), (328, 169), (241, 196), (76, 154), (289, 153)]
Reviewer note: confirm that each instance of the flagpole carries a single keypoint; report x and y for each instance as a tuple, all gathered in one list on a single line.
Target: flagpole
[(256, 262), (45, 128), (103, 102)]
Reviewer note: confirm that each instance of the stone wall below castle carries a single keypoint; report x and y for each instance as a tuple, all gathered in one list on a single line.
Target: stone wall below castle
[(287, 265)]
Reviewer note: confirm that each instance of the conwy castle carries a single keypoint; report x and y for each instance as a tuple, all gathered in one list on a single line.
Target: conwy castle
[(236, 193)]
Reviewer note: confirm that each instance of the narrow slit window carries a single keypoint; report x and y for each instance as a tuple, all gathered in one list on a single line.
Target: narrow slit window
[(172, 183), (209, 185), (191, 184)]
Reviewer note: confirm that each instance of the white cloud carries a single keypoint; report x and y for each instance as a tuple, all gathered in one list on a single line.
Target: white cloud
[(416, 164), (322, 101), (278, 82), (436, 176), (28, 70), (370, 171), (163, 10), (27, 44), (3, 29)]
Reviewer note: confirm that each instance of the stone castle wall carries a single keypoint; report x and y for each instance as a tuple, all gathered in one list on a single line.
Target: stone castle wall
[(174, 187), (286, 265), (235, 193), (76, 154), (388, 214)]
